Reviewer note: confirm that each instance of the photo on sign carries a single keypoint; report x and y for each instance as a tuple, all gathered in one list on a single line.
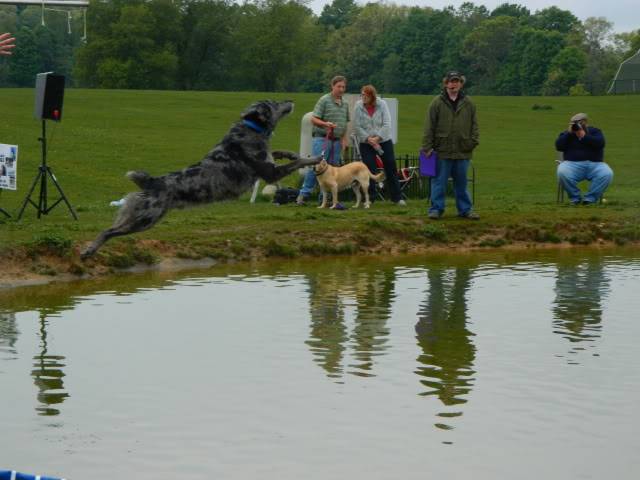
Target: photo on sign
[(8, 166)]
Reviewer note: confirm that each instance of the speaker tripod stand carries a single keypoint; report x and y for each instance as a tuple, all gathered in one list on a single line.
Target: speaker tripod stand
[(3, 211), (44, 172)]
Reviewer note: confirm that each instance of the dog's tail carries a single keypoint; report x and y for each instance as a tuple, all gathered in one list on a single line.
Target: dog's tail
[(142, 179), (377, 178)]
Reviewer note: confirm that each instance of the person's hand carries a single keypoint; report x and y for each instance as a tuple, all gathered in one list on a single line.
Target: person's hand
[(330, 125), (581, 133), (7, 42), (428, 152)]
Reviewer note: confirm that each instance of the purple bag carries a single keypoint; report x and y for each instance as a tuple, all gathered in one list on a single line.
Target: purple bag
[(428, 163)]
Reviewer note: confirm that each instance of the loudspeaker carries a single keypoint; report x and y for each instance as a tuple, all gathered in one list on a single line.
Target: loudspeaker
[(49, 96)]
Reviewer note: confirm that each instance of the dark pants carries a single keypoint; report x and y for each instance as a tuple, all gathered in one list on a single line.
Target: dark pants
[(368, 155)]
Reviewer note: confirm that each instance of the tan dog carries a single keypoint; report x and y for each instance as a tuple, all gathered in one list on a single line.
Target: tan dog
[(334, 179)]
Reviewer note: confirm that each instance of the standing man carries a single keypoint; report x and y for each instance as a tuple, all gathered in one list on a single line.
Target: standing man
[(330, 117), (7, 42), (582, 150), (451, 129)]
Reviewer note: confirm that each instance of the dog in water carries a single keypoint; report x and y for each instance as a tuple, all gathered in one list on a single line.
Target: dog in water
[(226, 172), (334, 179)]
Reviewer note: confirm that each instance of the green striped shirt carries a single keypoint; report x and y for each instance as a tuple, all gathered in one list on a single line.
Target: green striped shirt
[(329, 111)]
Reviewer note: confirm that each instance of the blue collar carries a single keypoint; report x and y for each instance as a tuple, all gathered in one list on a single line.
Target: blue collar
[(254, 126)]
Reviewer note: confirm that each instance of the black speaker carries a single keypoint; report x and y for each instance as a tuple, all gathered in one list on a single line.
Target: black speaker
[(49, 96)]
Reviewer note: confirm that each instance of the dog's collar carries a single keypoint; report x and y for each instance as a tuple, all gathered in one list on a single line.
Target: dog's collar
[(320, 173), (256, 128)]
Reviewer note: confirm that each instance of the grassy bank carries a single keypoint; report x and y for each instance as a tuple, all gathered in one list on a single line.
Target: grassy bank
[(106, 133)]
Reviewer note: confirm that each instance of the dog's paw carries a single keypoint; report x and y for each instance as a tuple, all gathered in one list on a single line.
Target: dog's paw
[(311, 160)]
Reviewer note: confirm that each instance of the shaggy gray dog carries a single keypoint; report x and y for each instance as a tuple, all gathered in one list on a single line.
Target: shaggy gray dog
[(226, 172)]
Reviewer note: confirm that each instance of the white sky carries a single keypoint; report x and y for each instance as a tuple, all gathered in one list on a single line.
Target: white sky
[(625, 14)]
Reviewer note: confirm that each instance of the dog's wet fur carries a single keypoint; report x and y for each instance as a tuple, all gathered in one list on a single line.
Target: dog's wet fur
[(225, 173)]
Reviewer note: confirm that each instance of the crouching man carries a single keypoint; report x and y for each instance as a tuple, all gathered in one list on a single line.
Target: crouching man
[(582, 149)]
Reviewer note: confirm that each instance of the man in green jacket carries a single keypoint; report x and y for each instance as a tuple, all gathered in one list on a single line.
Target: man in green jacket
[(451, 129)]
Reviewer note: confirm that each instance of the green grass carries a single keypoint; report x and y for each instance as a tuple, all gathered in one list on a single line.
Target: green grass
[(106, 133)]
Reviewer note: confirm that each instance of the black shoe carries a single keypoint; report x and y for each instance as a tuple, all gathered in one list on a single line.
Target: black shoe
[(470, 216)]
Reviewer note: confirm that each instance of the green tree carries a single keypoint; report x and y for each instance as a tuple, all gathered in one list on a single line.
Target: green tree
[(280, 42), (134, 50), (207, 51), (554, 19), (566, 68), (488, 48), (535, 51), (511, 10), (339, 14)]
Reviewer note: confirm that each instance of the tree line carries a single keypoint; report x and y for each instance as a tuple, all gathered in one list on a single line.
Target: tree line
[(281, 45)]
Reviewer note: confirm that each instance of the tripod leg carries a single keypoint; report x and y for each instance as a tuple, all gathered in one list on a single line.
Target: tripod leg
[(42, 200), (64, 197), (3, 211), (28, 197)]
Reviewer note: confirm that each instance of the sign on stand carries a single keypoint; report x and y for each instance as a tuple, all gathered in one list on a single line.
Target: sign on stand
[(8, 166)]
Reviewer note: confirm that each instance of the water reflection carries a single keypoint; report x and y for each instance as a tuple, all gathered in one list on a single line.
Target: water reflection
[(332, 295), (8, 335), (446, 362), (48, 375), (580, 290)]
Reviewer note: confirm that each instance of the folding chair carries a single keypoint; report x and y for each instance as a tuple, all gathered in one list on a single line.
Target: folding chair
[(560, 192), (406, 177)]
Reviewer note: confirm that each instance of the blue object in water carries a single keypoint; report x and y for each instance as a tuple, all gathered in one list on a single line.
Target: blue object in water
[(13, 475)]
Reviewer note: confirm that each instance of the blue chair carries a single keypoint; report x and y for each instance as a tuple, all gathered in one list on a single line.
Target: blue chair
[(13, 475)]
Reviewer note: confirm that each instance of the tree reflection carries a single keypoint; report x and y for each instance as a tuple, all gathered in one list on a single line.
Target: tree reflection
[(48, 375), (332, 295), (446, 362), (577, 309)]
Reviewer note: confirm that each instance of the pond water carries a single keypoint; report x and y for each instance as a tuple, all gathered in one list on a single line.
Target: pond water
[(485, 367)]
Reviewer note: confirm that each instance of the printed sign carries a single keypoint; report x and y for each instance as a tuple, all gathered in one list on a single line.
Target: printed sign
[(8, 166)]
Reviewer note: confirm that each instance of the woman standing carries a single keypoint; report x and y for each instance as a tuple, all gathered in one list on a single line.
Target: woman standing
[(372, 125)]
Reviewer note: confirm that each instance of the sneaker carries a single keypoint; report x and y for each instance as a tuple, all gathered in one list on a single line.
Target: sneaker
[(435, 215), (575, 203), (301, 200), (401, 203), (587, 202), (470, 216)]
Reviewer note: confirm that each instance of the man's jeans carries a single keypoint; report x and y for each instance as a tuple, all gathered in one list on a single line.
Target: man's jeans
[(457, 170), (572, 173), (316, 149)]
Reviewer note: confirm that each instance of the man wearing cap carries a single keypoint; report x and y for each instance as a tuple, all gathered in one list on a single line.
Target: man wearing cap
[(582, 150), (451, 129)]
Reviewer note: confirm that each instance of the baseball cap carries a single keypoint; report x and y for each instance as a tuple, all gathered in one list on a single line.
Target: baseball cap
[(453, 74), (579, 117)]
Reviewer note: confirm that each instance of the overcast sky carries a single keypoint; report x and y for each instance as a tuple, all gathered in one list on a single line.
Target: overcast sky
[(625, 14)]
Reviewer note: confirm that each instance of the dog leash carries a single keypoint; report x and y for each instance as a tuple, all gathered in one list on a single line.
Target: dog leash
[(327, 139)]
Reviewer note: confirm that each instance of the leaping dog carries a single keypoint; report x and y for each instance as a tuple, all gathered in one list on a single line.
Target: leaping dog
[(226, 172)]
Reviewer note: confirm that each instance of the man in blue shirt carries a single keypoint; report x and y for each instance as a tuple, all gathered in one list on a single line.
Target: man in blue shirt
[(582, 147)]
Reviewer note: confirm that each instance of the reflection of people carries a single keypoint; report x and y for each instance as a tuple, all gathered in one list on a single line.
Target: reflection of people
[(582, 150), (8, 333), (330, 291), (446, 362), (48, 375), (7, 43), (451, 129), (330, 117), (372, 126), (580, 290)]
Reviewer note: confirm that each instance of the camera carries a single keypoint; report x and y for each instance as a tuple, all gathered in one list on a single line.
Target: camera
[(576, 126)]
